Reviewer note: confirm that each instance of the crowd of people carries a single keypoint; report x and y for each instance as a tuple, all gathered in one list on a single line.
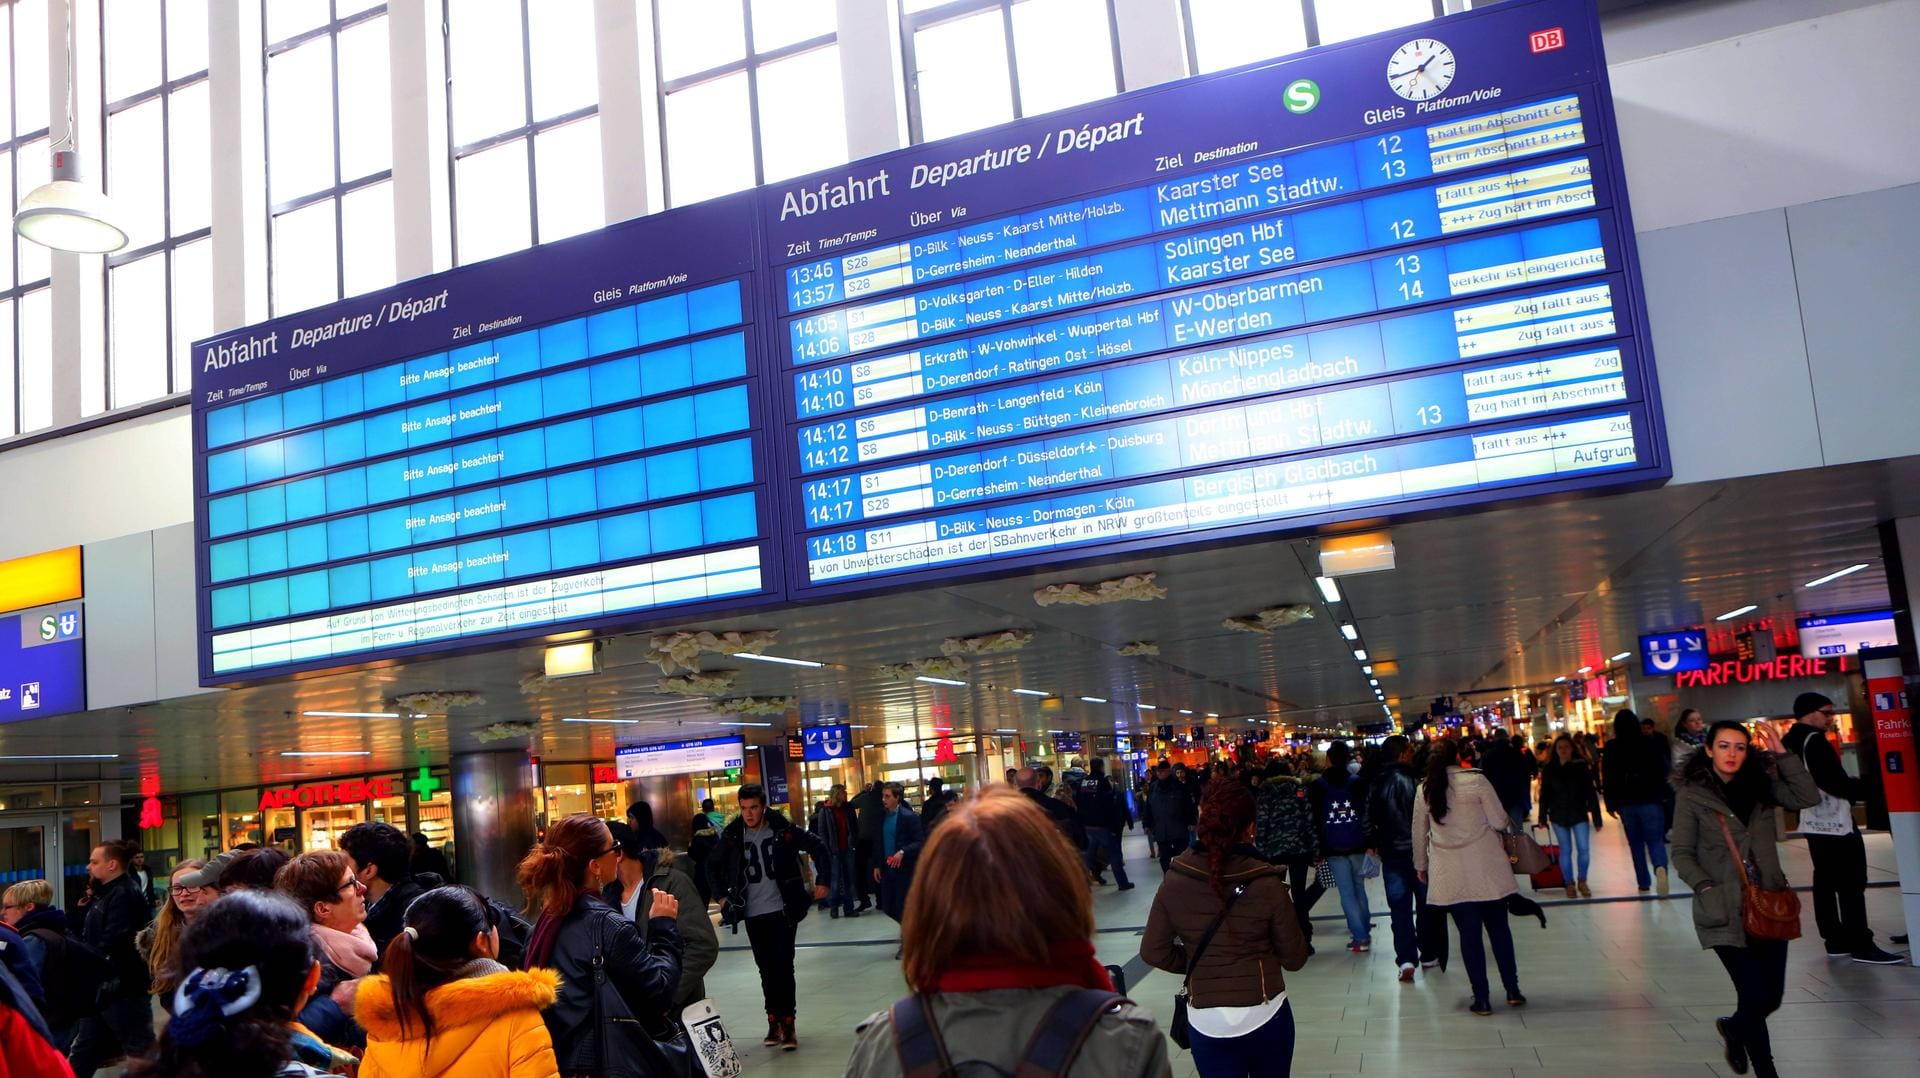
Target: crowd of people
[(366, 960)]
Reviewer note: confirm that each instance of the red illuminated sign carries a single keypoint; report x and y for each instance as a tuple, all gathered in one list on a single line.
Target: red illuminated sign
[(351, 792), (604, 775), (1735, 672), (1547, 40), (1893, 734), (151, 815)]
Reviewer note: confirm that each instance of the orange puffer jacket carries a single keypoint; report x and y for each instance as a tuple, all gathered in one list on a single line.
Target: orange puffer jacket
[(483, 1027)]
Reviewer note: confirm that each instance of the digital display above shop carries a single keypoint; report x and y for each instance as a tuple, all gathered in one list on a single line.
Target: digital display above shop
[(1390, 276), (1337, 285), (680, 757), (1829, 635)]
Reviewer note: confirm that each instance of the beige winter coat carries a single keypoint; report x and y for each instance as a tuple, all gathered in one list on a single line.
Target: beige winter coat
[(1462, 855)]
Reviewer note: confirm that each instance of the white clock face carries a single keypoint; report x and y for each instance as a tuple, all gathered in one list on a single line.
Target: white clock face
[(1420, 69)]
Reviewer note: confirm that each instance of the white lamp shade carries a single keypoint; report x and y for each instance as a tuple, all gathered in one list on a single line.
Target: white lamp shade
[(68, 215)]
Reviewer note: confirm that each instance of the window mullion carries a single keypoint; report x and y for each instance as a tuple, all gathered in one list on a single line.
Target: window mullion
[(533, 174), (1013, 59), (753, 92)]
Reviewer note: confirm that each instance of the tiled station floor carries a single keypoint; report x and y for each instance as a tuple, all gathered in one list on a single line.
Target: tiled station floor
[(1618, 987)]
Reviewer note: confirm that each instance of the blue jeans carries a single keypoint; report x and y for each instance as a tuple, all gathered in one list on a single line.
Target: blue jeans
[(1106, 839), (846, 884), (1471, 918), (1580, 834), (1406, 899), (1646, 838), (1266, 1052), (1353, 894)]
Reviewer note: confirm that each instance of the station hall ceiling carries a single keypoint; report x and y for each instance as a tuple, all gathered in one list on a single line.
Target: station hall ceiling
[(1487, 601)]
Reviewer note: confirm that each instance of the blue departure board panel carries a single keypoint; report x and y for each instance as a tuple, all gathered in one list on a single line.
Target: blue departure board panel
[(1245, 304), (569, 435)]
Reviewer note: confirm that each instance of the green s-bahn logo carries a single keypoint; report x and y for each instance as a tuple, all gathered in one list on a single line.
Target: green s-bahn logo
[(1301, 96)]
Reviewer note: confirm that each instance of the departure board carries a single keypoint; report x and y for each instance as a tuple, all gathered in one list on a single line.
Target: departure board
[(1386, 278), (569, 434), (1390, 276)]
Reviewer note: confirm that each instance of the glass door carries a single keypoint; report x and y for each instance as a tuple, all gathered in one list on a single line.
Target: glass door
[(28, 845)]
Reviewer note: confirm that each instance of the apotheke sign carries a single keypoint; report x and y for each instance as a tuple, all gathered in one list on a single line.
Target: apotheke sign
[(351, 792)]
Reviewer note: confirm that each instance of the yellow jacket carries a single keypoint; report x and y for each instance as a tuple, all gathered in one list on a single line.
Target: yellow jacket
[(483, 1027)]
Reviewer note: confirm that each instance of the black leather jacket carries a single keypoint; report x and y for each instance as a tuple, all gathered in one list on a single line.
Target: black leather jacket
[(644, 972), (729, 868), (1390, 810)]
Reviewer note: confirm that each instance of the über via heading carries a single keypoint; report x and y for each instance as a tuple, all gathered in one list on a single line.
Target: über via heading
[(837, 194), (248, 349)]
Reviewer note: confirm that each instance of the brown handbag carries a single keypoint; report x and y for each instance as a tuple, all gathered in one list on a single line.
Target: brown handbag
[(1524, 854), (1766, 913)]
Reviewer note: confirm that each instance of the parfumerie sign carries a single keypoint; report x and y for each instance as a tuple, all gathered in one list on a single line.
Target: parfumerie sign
[(350, 792), (1735, 672)]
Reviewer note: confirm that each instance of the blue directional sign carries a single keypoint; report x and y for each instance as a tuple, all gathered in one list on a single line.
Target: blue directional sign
[(833, 742), (1667, 653), (43, 669)]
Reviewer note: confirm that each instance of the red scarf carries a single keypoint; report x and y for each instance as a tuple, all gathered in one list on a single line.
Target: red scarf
[(1069, 962)]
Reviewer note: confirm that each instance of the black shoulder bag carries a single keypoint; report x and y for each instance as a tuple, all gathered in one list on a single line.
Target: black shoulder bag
[(1179, 1029), (625, 1048)]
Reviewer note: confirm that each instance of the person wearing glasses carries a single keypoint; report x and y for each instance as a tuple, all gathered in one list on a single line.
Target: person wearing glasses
[(444, 1006), (159, 942), (323, 884), (1839, 853), (616, 986)]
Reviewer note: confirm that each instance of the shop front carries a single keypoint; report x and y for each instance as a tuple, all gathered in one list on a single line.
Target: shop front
[(47, 832)]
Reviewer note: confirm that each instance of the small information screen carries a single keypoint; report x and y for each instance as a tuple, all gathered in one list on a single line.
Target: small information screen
[(1391, 275)]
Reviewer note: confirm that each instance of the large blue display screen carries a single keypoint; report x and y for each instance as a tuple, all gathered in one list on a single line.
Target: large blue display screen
[(1232, 306), (1273, 298), (568, 434)]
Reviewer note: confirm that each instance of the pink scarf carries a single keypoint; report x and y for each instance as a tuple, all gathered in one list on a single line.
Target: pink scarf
[(354, 952)]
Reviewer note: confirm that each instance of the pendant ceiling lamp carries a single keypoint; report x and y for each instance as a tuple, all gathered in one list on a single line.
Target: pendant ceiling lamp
[(66, 213)]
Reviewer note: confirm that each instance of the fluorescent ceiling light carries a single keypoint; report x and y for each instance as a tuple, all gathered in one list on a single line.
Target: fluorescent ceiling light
[(343, 752), (1347, 630), (351, 714), (1559, 680), (1056, 731), (1375, 682), (1004, 730), (1849, 570), (1094, 699), (1186, 711), (1328, 589), (1731, 614), (614, 722), (938, 680), (1586, 670), (782, 660), (1031, 692), (734, 723), (1367, 670), (68, 756), (1620, 656), (1360, 654), (1213, 714), (1146, 707)]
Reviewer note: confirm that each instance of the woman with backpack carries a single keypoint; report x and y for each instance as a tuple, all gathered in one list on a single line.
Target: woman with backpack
[(994, 959), (444, 1008), (1458, 852), (1286, 834), (1222, 917), (69, 980)]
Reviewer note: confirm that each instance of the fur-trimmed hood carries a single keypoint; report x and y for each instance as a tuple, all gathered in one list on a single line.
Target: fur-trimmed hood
[(457, 1003)]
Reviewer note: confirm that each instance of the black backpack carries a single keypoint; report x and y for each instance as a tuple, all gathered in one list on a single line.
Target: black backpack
[(71, 974), (514, 933), (1050, 1053), (1284, 828)]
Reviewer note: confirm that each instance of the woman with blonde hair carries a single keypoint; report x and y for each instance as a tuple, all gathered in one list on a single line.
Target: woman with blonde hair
[(997, 950), (159, 942)]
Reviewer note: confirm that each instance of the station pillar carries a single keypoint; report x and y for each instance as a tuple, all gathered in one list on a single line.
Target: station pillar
[(493, 819)]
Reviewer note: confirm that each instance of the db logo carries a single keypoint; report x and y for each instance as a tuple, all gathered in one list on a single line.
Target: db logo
[(1547, 40)]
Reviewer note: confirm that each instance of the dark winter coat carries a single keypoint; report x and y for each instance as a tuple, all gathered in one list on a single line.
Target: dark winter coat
[(729, 864), (1171, 810), (117, 914), (1633, 772), (1390, 810), (1567, 793), (1505, 766), (908, 837), (644, 970), (1064, 818), (64, 973), (1700, 854), (388, 916)]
